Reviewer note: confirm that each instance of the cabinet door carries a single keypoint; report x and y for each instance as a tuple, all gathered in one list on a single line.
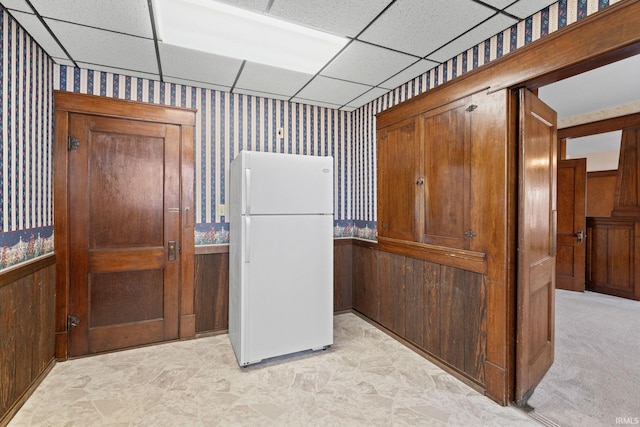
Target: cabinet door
[(399, 154), (447, 153)]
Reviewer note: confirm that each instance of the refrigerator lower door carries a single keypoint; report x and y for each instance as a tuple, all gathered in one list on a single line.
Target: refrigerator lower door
[(287, 285)]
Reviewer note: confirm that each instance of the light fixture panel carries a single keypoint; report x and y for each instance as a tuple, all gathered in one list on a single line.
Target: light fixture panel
[(226, 30)]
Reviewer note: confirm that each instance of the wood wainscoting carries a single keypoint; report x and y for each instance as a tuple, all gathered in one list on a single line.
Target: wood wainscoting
[(439, 309), (212, 284), (613, 256), (27, 338)]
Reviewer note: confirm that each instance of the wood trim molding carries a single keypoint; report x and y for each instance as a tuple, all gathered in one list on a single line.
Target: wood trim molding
[(458, 258), (72, 102), (224, 248), (602, 174), (212, 249), (369, 244), (600, 126), (17, 272)]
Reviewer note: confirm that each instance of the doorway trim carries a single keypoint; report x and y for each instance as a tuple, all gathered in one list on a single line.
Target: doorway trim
[(68, 102)]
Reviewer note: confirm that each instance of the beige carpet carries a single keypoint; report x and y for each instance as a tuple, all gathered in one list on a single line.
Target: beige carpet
[(365, 379), (595, 378)]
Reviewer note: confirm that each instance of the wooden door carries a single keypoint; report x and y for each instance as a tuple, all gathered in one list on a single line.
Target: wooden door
[(536, 244), (124, 219), (399, 177), (572, 223), (447, 172)]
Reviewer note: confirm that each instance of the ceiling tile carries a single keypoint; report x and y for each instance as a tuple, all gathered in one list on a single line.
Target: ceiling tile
[(499, 4), (525, 8), (366, 98), (318, 103), (189, 64), (106, 48), (410, 73), (421, 26), (332, 91), (367, 64), (63, 61), (124, 16), (264, 78), (192, 83), (482, 32), (255, 5), (20, 5), (261, 94), (341, 17), (120, 71), (40, 34)]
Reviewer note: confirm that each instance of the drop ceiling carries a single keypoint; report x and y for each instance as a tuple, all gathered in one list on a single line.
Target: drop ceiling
[(390, 42)]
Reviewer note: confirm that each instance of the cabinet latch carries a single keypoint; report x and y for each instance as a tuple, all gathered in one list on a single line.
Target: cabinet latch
[(72, 322), (470, 233), (72, 143)]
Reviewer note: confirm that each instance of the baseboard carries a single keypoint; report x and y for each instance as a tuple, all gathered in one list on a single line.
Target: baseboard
[(6, 417)]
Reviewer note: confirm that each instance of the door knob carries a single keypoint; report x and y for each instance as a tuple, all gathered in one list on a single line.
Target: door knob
[(172, 250)]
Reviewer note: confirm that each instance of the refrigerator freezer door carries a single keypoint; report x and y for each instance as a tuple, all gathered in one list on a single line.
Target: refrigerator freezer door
[(286, 184), (287, 285)]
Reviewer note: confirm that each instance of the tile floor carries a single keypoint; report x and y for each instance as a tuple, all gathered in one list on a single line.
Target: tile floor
[(365, 379)]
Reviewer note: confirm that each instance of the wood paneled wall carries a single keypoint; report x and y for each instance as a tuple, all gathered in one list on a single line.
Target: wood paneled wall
[(439, 309), (27, 339), (601, 187), (613, 256), (212, 284)]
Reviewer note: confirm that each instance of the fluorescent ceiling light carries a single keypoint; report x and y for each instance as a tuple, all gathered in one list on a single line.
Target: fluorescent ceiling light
[(221, 29)]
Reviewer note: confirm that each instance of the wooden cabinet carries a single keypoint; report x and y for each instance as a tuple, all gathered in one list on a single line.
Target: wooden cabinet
[(424, 186)]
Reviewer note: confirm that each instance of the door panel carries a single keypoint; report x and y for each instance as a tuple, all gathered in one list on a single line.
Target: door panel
[(447, 134), (124, 188), (398, 180), (536, 244), (571, 256)]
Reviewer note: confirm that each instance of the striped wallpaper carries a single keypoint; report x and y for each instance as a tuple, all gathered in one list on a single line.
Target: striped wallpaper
[(26, 182), (547, 21), (226, 123)]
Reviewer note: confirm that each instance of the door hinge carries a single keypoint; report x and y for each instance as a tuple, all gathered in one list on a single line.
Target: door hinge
[(471, 107), (72, 143), (72, 322)]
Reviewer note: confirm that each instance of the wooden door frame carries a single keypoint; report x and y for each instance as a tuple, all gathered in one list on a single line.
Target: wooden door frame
[(69, 102)]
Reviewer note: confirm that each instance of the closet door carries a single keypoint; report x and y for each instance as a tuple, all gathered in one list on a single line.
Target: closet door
[(400, 181), (447, 170)]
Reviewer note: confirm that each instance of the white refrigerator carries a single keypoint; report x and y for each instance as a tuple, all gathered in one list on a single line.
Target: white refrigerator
[(280, 254)]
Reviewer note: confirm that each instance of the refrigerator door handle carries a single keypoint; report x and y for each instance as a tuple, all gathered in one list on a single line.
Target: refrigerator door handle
[(247, 181), (247, 240)]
